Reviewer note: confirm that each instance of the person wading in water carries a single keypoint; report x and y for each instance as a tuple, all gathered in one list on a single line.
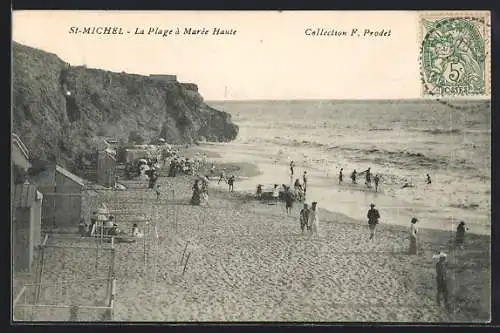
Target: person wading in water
[(353, 176), (376, 179)]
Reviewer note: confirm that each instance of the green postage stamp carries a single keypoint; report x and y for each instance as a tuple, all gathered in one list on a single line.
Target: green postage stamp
[(455, 53)]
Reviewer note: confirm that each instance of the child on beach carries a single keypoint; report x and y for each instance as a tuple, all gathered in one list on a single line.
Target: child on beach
[(353, 176), (304, 218), (136, 232), (158, 192), (230, 182), (313, 221), (276, 194), (340, 175), (373, 215), (288, 200), (429, 181), (413, 236)]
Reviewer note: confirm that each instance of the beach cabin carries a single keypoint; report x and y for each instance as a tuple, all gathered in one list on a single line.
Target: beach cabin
[(106, 167), (26, 225), (63, 196)]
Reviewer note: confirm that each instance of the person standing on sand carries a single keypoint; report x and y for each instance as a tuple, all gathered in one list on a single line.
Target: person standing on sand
[(297, 185), (288, 200), (304, 218), (376, 179), (353, 176), (441, 280), (276, 194), (341, 176), (429, 181), (459, 240), (313, 220), (304, 178), (292, 165), (373, 216), (413, 236), (259, 192)]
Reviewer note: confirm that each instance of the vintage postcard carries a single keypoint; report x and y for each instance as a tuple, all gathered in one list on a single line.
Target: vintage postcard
[(293, 166)]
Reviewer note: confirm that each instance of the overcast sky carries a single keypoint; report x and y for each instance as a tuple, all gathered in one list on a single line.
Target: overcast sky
[(269, 57)]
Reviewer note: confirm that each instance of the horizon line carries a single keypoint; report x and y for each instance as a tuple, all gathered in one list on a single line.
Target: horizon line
[(415, 99)]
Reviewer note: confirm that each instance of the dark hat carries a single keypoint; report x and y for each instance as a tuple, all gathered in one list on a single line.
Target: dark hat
[(372, 205), (314, 203), (414, 220)]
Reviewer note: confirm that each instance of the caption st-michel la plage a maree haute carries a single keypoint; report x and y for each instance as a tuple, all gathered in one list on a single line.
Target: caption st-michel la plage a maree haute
[(152, 31)]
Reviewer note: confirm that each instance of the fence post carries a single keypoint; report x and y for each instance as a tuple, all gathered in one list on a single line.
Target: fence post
[(73, 313), (112, 301)]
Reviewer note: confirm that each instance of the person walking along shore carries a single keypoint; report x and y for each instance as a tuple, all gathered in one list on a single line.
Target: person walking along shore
[(413, 236), (373, 216)]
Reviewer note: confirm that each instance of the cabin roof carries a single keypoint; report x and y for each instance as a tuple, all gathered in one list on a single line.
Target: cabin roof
[(70, 175)]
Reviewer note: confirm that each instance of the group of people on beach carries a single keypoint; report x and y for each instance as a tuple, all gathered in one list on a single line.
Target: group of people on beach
[(183, 166), (376, 179), (107, 227), (309, 218), (309, 221), (368, 178), (229, 180), (373, 217)]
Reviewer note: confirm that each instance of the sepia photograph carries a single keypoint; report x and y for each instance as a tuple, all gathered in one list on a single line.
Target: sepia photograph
[(251, 166)]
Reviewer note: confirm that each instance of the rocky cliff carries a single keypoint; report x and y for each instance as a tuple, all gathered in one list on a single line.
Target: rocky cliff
[(58, 109)]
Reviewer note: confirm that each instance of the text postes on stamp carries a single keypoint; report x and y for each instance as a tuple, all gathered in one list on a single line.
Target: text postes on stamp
[(454, 54)]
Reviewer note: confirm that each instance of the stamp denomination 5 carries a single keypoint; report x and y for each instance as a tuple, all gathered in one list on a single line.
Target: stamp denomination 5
[(454, 54)]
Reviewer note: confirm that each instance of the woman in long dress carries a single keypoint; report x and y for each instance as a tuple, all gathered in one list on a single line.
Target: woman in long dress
[(314, 218), (196, 198)]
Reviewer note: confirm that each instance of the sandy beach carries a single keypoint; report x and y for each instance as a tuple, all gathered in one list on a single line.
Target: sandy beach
[(248, 261)]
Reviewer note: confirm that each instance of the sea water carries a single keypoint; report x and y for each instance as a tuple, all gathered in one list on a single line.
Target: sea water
[(401, 141)]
